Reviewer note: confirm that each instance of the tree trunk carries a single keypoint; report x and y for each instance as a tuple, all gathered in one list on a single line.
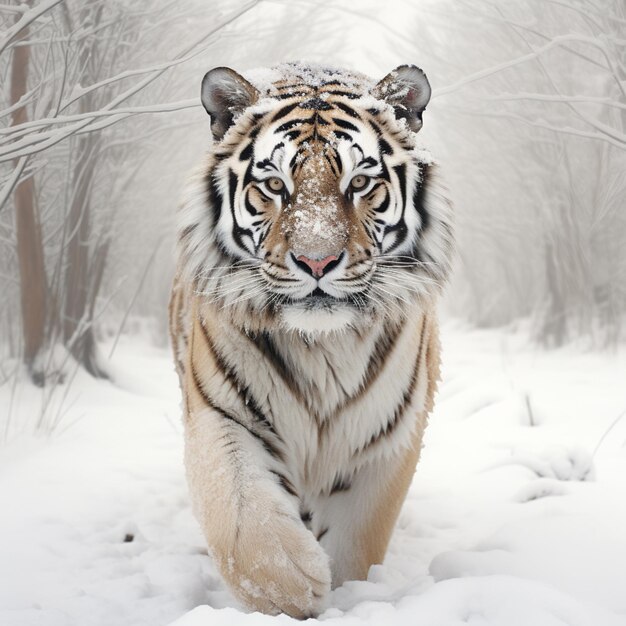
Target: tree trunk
[(82, 279), (29, 243), (77, 311)]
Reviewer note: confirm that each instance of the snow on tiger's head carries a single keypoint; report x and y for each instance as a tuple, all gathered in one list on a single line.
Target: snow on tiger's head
[(316, 208)]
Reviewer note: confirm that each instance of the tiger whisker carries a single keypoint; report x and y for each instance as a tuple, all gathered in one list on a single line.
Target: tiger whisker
[(248, 285), (401, 257), (380, 302), (403, 276), (247, 296), (235, 282), (226, 268), (390, 304), (221, 291)]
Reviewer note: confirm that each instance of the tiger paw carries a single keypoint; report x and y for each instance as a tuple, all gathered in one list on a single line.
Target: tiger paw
[(277, 566)]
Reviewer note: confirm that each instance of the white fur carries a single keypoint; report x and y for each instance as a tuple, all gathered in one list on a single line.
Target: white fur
[(317, 320)]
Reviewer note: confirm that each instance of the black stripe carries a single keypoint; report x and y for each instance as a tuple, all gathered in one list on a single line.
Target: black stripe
[(249, 207), (246, 153), (187, 231), (278, 146), (285, 483), (294, 161), (400, 231), (298, 121), (283, 111), (247, 177), (320, 121), (315, 104), (400, 171), (358, 147), (266, 164), (321, 534), (224, 153), (407, 396), (346, 109), (373, 191), (376, 127), (283, 279), (340, 134), (222, 412), (372, 237), (368, 161), (332, 163), (346, 94), (229, 416), (214, 198), (238, 232), (232, 190), (305, 134), (345, 124), (291, 86), (383, 349), (419, 197), (384, 147), (244, 393), (293, 134), (339, 162), (399, 228), (264, 343), (289, 95), (340, 484)]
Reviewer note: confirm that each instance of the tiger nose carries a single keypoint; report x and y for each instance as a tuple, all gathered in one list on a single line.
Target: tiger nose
[(315, 267)]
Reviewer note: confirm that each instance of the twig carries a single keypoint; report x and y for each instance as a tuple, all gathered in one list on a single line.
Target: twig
[(135, 295), (606, 432)]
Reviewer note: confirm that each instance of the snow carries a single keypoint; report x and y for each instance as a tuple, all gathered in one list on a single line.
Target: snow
[(314, 215), (516, 515), (313, 74)]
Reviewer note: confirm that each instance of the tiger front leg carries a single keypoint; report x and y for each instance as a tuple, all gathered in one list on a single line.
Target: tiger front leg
[(251, 523), (355, 521)]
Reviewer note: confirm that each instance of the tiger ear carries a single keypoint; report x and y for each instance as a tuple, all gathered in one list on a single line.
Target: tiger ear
[(407, 89), (224, 95)]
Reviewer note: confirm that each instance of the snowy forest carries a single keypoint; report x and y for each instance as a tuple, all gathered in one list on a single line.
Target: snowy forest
[(100, 125)]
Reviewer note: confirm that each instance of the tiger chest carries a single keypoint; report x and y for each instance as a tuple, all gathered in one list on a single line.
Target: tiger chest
[(339, 406), (321, 409)]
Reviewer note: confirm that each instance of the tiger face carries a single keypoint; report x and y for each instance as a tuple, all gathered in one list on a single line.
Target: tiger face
[(317, 208)]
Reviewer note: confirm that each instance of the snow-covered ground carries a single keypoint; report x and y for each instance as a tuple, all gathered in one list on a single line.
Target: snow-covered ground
[(516, 516)]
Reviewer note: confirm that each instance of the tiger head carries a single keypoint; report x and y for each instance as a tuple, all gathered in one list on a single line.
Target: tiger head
[(316, 209)]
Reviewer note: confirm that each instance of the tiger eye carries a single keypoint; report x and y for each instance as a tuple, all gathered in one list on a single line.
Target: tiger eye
[(359, 182), (275, 184)]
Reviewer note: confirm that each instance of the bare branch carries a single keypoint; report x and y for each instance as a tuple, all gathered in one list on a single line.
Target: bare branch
[(540, 97), (556, 42), (28, 17)]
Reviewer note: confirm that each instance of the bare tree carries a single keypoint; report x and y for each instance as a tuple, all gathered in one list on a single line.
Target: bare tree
[(78, 69), (554, 113), (28, 237)]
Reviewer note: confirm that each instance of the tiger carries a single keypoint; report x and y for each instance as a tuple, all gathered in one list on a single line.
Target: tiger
[(313, 245)]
